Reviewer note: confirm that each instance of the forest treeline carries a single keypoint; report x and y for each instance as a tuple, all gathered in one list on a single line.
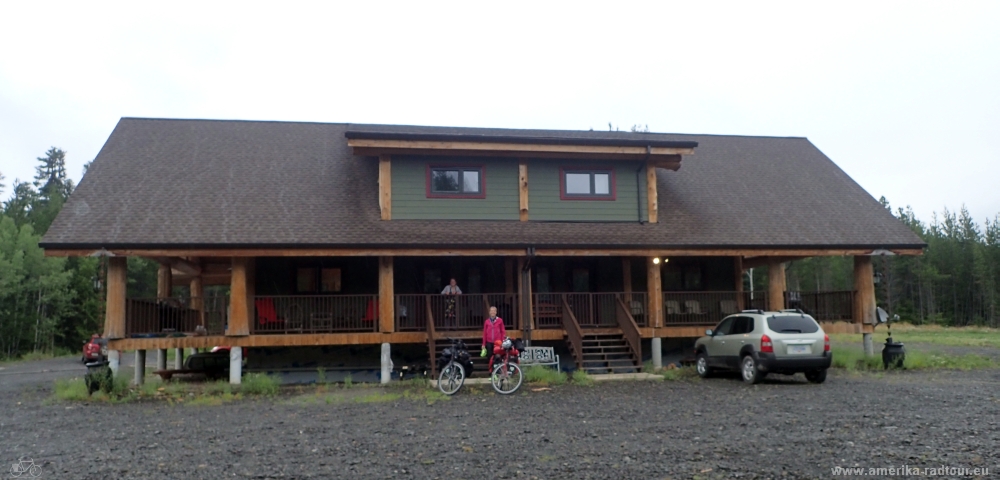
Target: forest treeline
[(52, 304)]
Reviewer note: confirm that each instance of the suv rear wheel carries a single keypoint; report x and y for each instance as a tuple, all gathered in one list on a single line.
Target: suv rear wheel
[(748, 369), (816, 376), (701, 365)]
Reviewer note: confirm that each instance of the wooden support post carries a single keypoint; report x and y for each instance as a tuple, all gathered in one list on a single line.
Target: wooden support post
[(385, 186), (738, 273), (864, 298), (197, 299), (241, 293), (164, 281), (655, 294), (522, 182), (114, 316), (386, 296), (652, 207), (776, 285)]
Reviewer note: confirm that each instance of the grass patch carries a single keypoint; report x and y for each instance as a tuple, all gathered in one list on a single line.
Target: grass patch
[(932, 334), (71, 390), (320, 375), (683, 373), (348, 381), (580, 377), (853, 359), (259, 384), (540, 375)]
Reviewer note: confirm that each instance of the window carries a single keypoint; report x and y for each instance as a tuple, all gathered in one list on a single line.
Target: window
[(597, 184), (305, 280), (724, 327), (792, 324), (455, 182), (742, 325)]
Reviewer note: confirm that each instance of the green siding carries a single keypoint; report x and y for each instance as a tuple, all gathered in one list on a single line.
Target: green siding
[(544, 203), (409, 191)]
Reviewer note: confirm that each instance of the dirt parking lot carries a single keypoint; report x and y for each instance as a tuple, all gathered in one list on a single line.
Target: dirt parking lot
[(718, 428)]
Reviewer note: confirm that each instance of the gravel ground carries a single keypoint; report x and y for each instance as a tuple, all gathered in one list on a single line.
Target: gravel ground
[(718, 428)]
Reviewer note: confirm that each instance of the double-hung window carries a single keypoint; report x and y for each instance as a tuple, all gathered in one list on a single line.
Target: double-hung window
[(455, 182), (588, 184)]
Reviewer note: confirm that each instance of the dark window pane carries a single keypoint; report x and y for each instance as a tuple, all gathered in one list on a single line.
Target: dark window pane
[(470, 181), (602, 184), (792, 324), (578, 184), (445, 181), (724, 327)]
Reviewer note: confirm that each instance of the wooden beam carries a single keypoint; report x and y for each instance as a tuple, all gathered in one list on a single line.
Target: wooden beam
[(522, 182), (776, 285), (654, 293), (183, 266), (385, 186), (480, 252), (652, 205), (757, 262), (241, 305), (864, 290), (114, 316), (389, 146), (738, 281), (386, 296)]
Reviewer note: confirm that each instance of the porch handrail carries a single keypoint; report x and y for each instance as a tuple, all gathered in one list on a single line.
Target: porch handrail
[(629, 329), (148, 316), (573, 332), (285, 314)]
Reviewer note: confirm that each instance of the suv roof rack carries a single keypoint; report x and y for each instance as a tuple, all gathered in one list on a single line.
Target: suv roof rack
[(793, 310), (753, 310)]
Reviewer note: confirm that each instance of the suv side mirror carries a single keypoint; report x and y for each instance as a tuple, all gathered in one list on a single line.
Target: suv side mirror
[(709, 332)]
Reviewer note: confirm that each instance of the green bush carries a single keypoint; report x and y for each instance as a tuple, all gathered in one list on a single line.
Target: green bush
[(580, 377), (683, 373), (259, 384), (72, 389), (543, 375)]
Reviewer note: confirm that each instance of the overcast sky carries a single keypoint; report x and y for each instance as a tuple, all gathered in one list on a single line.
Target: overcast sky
[(904, 96)]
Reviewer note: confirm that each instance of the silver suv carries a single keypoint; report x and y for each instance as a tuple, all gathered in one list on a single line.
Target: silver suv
[(756, 343)]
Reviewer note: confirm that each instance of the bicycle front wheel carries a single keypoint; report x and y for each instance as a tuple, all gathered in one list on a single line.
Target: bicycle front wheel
[(451, 378), (507, 384)]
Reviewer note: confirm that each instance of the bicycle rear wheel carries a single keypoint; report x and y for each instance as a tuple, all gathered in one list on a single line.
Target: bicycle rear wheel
[(506, 385), (451, 378)]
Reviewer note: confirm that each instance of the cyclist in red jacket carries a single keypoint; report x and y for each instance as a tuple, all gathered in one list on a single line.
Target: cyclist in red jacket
[(493, 331)]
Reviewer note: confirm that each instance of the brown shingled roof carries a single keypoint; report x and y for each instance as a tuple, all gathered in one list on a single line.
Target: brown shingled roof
[(204, 183)]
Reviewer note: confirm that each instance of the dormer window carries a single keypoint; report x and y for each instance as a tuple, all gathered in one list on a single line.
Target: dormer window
[(587, 184), (456, 182)]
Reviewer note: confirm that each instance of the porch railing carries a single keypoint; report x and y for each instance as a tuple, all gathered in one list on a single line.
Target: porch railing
[(629, 328), (156, 316), (547, 309), (315, 314), (508, 308), (412, 312), (573, 332), (707, 308), (216, 314), (823, 306)]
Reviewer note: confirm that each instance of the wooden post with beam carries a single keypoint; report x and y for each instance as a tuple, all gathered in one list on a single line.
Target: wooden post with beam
[(114, 316), (654, 287), (775, 285), (864, 298), (385, 186), (627, 280), (652, 208), (197, 299), (386, 296), (164, 281), (241, 293), (522, 186)]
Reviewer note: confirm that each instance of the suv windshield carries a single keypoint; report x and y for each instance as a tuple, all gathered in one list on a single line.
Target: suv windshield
[(792, 324)]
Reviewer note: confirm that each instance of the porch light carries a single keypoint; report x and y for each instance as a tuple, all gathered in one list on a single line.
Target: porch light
[(877, 278), (656, 260)]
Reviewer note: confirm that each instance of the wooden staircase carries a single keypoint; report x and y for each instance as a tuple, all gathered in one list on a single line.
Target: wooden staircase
[(607, 353)]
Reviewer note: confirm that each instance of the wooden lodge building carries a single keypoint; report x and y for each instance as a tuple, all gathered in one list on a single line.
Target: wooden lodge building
[(342, 234)]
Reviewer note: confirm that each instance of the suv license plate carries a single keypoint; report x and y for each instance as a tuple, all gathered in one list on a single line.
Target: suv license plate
[(798, 349)]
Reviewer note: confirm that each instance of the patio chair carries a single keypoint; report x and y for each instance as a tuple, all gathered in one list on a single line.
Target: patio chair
[(673, 307), (728, 307), (266, 313), (692, 307)]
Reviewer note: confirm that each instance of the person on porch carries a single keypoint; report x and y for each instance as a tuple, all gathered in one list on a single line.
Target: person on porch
[(450, 309)]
